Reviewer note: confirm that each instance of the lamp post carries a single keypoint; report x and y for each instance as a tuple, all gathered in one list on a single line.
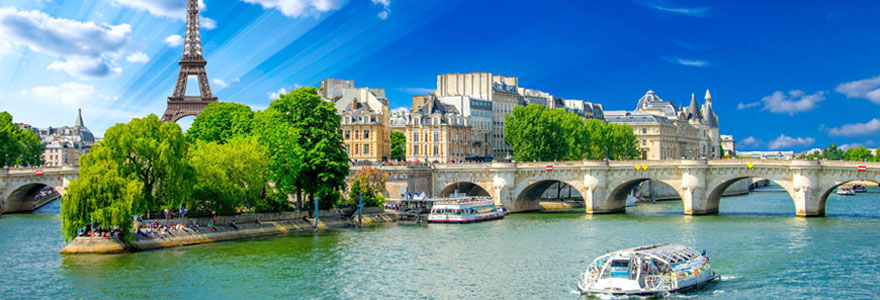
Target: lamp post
[(360, 208), (316, 213)]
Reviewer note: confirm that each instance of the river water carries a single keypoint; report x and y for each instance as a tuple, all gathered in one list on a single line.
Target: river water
[(756, 244)]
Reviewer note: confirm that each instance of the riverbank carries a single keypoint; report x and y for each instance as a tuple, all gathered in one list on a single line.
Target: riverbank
[(270, 224), (556, 205)]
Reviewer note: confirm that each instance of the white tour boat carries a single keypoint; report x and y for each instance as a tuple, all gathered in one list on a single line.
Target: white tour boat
[(648, 270), (464, 210), (846, 190)]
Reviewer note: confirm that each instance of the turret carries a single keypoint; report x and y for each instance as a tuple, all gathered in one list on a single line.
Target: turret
[(79, 118), (693, 111)]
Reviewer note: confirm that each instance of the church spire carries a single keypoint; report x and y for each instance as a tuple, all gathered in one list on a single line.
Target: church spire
[(708, 96), (694, 109), (79, 118)]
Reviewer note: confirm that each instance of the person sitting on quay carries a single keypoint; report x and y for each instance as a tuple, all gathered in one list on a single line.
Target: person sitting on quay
[(257, 221), (232, 224)]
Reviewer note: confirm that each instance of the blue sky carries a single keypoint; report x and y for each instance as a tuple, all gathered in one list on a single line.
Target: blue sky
[(782, 76)]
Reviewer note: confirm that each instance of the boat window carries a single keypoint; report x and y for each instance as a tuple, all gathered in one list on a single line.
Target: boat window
[(619, 268)]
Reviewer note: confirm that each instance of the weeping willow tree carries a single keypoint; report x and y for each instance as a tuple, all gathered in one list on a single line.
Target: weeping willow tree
[(100, 196), (139, 166)]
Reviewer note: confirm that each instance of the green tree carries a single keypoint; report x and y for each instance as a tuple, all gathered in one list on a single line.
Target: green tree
[(832, 152), (369, 182), (859, 154), (154, 153), (101, 196), (398, 144), (229, 175), (621, 142), (220, 122), (305, 130), (18, 147), (535, 135), (596, 132)]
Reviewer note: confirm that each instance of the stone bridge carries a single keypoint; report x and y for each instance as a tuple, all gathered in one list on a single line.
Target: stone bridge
[(604, 185), (19, 187)]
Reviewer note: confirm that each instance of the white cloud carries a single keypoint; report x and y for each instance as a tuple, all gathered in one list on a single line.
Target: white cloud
[(71, 93), (385, 10), (223, 84), (85, 67), (784, 141), (401, 109), (207, 23), (298, 8), (750, 142), (139, 57), (796, 101), (865, 89), (693, 12), (688, 62), (174, 9), (276, 95), (857, 129), (174, 40), (84, 46), (742, 106)]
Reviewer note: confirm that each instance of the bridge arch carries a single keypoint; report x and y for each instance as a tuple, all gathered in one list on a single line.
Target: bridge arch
[(528, 197), (464, 187), (23, 198), (716, 187), (617, 194), (827, 190)]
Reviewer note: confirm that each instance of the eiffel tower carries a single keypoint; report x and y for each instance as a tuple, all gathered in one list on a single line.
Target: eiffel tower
[(192, 63)]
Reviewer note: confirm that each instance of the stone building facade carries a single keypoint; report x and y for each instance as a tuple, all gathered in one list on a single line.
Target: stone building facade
[(669, 132), (365, 119), (438, 132), (64, 145)]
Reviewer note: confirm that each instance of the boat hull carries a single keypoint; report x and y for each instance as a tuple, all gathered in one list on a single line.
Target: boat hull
[(454, 221), (693, 287)]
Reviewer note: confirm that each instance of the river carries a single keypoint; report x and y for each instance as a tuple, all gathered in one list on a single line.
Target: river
[(755, 243)]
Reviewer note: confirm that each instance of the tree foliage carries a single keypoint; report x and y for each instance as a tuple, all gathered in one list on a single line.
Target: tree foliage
[(539, 133), (368, 182), (102, 196), (153, 153), (221, 122), (307, 154), (859, 154), (228, 176), (18, 147), (398, 144)]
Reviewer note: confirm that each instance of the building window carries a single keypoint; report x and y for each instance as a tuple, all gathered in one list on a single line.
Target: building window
[(644, 142), (347, 149), (436, 149), (436, 135), (356, 148), (347, 134), (367, 149), (644, 130), (366, 134)]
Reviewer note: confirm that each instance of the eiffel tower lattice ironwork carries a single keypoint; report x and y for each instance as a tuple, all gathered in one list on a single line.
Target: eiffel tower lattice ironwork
[(192, 63)]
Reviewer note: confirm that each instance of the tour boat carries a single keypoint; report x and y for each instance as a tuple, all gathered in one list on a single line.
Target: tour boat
[(647, 271), (464, 210), (858, 188), (846, 191)]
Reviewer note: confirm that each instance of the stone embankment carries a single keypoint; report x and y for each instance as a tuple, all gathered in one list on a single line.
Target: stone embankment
[(270, 224), (556, 205)]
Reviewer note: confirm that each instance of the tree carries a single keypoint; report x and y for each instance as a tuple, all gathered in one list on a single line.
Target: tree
[(152, 152), (302, 133), (621, 142), (100, 196), (535, 135), (398, 144), (228, 176), (859, 154), (368, 182), (220, 122), (18, 147), (596, 132), (832, 152)]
